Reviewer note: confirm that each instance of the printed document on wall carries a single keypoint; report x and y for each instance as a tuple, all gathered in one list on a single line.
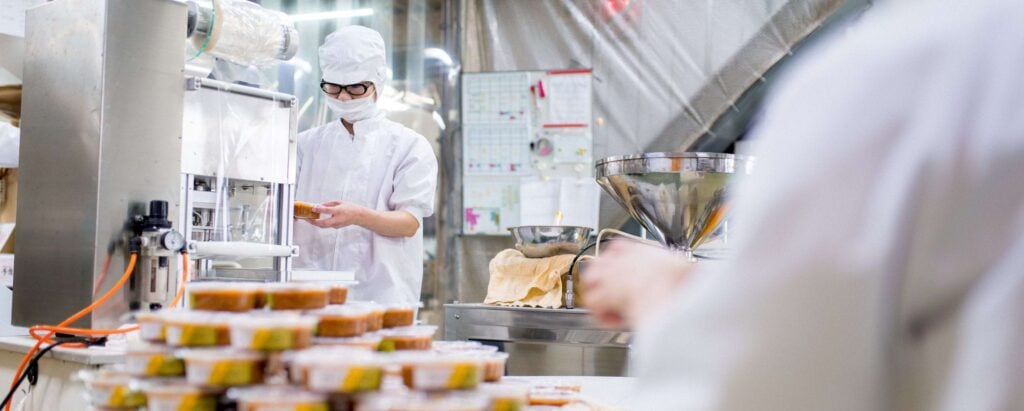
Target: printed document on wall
[(569, 98)]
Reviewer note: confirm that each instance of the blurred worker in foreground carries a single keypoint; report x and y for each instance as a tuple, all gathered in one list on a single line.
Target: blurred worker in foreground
[(373, 178), (879, 253)]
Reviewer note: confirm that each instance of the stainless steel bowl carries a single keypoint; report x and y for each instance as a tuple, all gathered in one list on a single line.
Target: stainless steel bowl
[(538, 241)]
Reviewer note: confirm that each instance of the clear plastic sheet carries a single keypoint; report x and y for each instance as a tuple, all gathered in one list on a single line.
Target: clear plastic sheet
[(236, 148), (245, 33), (664, 70)]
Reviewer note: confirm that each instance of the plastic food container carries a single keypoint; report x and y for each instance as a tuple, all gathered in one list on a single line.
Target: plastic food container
[(223, 296), (506, 396), (146, 360), (431, 371), (452, 401), (177, 396), (296, 296), (197, 329), (151, 326), (494, 364), (554, 395), (111, 388), (341, 321), (417, 337), (275, 331), (399, 315), (223, 367), (304, 210), (460, 346), (338, 370), (277, 398), (375, 319), (370, 341), (338, 293)]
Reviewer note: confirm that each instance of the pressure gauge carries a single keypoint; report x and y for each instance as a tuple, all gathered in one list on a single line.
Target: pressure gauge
[(172, 240)]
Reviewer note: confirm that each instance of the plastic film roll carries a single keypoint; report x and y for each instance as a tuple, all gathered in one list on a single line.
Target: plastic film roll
[(237, 249), (243, 32)]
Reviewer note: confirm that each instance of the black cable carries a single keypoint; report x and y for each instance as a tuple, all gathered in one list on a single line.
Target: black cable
[(32, 369)]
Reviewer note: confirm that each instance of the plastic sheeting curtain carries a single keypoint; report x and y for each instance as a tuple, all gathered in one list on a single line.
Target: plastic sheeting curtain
[(664, 70)]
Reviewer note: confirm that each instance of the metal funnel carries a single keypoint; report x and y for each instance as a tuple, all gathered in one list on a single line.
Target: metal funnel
[(680, 198)]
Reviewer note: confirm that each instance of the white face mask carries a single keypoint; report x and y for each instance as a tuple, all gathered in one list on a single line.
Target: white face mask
[(353, 110)]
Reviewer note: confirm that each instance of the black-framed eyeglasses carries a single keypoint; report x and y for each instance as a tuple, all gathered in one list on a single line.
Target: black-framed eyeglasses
[(354, 90)]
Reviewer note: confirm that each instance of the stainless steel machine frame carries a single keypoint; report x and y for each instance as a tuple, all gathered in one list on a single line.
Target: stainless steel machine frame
[(541, 341), (106, 129)]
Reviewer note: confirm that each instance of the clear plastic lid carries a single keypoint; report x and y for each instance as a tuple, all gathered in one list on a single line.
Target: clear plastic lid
[(410, 331), (366, 341), (452, 401), (171, 387), (272, 319), (505, 389), (345, 311), (212, 318), (223, 286), (295, 286), (454, 346), (218, 354), (271, 395), (368, 305), (427, 358), (335, 357)]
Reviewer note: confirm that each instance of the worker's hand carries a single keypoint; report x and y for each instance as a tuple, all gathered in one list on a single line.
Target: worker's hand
[(631, 282), (340, 214)]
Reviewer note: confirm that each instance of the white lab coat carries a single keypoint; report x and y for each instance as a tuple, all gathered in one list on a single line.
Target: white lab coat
[(879, 258), (386, 167)]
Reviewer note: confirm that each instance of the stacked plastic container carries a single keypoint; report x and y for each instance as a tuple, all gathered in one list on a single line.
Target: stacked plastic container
[(299, 346)]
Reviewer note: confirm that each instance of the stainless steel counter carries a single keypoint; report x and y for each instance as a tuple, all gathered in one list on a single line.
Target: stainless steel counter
[(541, 341)]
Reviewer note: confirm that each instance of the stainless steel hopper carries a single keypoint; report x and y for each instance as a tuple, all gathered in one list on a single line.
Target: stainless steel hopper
[(680, 198)]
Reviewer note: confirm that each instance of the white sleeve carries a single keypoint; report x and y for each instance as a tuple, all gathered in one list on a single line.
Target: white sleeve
[(415, 181), (794, 320), (10, 139)]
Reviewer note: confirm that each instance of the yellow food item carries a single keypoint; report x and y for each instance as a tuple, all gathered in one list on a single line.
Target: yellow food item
[(296, 299), (305, 211), (338, 294), (398, 317), (222, 299), (375, 320), (341, 326), (405, 342)]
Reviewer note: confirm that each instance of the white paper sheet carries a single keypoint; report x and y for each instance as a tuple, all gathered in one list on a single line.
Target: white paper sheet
[(576, 199), (580, 201), (568, 98), (539, 202)]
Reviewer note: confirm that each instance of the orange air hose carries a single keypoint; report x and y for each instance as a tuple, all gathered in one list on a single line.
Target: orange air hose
[(62, 327), (184, 280)]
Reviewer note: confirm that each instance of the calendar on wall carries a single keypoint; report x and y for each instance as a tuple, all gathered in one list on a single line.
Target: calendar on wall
[(527, 150)]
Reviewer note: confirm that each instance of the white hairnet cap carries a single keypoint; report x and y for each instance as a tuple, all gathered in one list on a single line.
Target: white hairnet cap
[(353, 54)]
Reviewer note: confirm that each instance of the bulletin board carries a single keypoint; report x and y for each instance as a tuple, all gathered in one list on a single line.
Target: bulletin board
[(527, 148)]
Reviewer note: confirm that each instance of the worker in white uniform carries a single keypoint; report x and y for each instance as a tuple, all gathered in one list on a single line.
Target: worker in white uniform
[(373, 179), (879, 253)]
